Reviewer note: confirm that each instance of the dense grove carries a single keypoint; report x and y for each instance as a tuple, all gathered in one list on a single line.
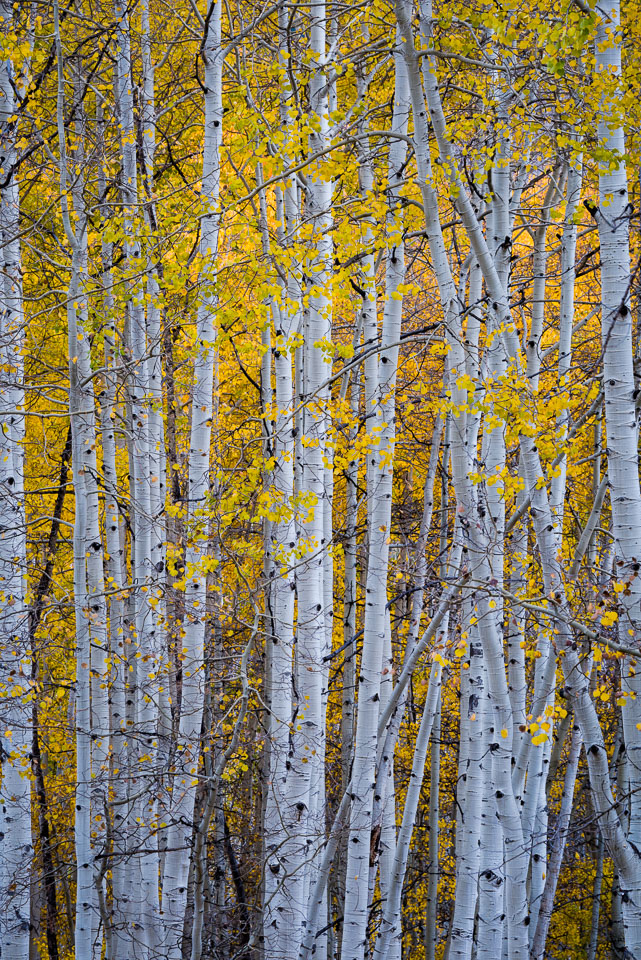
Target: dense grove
[(320, 510)]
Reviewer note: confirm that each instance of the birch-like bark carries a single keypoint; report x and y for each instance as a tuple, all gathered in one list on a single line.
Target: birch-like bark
[(477, 549), (380, 477), (566, 322), (623, 473), (119, 754), (432, 631), (16, 851), (278, 920), (576, 683), (391, 927), (384, 832), (350, 554), (156, 431), (81, 416), (539, 279), (472, 775), (308, 740), (146, 906), (502, 823), (431, 907), (378, 853), (535, 811), (558, 848), (596, 901), (492, 889), (384, 817), (185, 761)]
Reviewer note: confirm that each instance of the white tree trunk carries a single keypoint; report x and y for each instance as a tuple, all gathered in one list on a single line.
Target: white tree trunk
[(558, 849), (278, 919), (185, 760), (16, 851), (391, 927), (380, 477)]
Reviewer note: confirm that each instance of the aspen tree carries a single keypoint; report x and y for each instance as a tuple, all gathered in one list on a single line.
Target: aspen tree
[(76, 320), (229, 254), (558, 847), (380, 477), (623, 473), (146, 905), (116, 579), (185, 760), (575, 680), (278, 921), (308, 735), (16, 851), (431, 933)]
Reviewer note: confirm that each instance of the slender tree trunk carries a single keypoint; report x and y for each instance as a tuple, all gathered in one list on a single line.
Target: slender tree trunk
[(16, 851), (558, 848), (379, 490), (185, 761), (431, 909)]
